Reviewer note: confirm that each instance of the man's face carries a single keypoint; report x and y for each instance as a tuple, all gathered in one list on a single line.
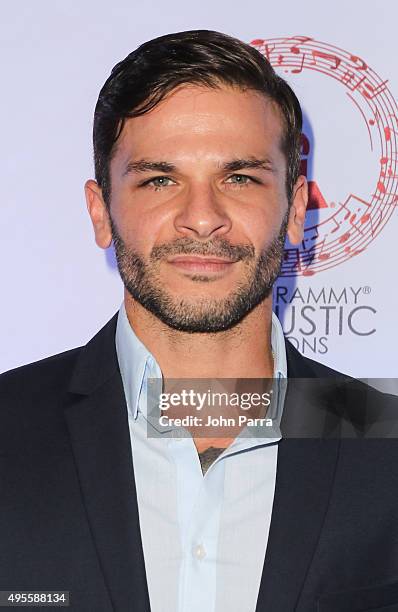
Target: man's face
[(198, 206)]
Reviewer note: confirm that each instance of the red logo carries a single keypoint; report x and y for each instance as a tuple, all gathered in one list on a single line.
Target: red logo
[(338, 230)]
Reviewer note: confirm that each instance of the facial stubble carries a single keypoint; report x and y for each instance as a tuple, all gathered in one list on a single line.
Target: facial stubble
[(204, 314)]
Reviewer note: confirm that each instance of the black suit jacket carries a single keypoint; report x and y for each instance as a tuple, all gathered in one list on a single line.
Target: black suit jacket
[(68, 506)]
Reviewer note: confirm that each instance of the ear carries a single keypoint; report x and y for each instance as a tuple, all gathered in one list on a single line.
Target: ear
[(98, 212), (295, 227)]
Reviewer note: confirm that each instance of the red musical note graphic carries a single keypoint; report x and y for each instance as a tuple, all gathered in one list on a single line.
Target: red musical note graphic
[(321, 255), (375, 223), (357, 60), (335, 229), (301, 40), (298, 70), (377, 118), (388, 131), (326, 56), (374, 91)]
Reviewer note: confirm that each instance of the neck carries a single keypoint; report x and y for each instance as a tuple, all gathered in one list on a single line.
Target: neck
[(241, 352)]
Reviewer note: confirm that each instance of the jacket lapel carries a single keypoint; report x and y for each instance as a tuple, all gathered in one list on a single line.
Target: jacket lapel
[(98, 425), (305, 471)]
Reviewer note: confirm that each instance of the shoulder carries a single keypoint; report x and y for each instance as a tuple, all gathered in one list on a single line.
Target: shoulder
[(32, 402), (54, 373), (367, 411), (50, 372), (304, 367), (32, 399)]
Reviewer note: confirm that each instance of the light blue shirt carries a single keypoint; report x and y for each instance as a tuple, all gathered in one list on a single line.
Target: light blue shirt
[(204, 537)]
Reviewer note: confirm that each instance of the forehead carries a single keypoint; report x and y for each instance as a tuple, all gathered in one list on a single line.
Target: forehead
[(220, 121)]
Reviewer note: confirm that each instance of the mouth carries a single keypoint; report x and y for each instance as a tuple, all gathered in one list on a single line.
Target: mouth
[(195, 263)]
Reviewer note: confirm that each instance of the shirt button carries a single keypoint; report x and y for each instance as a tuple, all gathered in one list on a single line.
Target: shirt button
[(199, 552)]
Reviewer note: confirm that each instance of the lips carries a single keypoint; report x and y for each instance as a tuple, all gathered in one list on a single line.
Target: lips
[(197, 259), (201, 264)]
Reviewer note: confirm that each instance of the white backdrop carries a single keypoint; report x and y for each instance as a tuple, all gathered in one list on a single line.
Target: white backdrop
[(58, 288)]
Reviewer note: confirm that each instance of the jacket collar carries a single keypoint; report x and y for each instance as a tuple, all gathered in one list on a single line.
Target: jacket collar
[(97, 361)]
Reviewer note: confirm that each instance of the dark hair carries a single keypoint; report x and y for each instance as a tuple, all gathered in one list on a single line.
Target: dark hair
[(202, 57)]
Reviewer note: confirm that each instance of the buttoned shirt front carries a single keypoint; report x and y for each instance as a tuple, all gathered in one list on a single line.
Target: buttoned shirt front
[(204, 537)]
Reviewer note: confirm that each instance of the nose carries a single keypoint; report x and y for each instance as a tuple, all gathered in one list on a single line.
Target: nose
[(202, 213)]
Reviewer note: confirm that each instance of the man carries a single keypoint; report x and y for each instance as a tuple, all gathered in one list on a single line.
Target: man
[(196, 144)]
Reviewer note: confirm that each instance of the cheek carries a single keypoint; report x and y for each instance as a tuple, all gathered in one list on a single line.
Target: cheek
[(261, 225), (143, 230)]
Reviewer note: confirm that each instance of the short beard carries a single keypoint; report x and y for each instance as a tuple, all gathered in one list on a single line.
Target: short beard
[(203, 315)]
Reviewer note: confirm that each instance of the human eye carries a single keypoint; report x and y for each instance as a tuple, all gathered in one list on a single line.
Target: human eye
[(158, 182), (240, 180)]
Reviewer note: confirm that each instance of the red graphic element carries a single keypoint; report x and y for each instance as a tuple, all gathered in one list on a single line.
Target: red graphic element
[(298, 70), (329, 57), (387, 133), (344, 237), (343, 229), (357, 60), (315, 197), (374, 91)]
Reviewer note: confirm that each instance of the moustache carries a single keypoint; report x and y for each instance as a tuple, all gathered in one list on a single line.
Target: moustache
[(214, 248)]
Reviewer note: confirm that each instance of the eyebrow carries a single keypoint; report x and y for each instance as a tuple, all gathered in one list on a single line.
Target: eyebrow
[(144, 165), (251, 162)]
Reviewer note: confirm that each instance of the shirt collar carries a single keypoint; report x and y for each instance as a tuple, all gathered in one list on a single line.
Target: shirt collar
[(278, 348), (133, 357), (137, 364)]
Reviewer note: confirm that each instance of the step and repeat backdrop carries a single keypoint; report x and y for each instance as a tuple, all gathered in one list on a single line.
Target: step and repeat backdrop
[(337, 296)]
